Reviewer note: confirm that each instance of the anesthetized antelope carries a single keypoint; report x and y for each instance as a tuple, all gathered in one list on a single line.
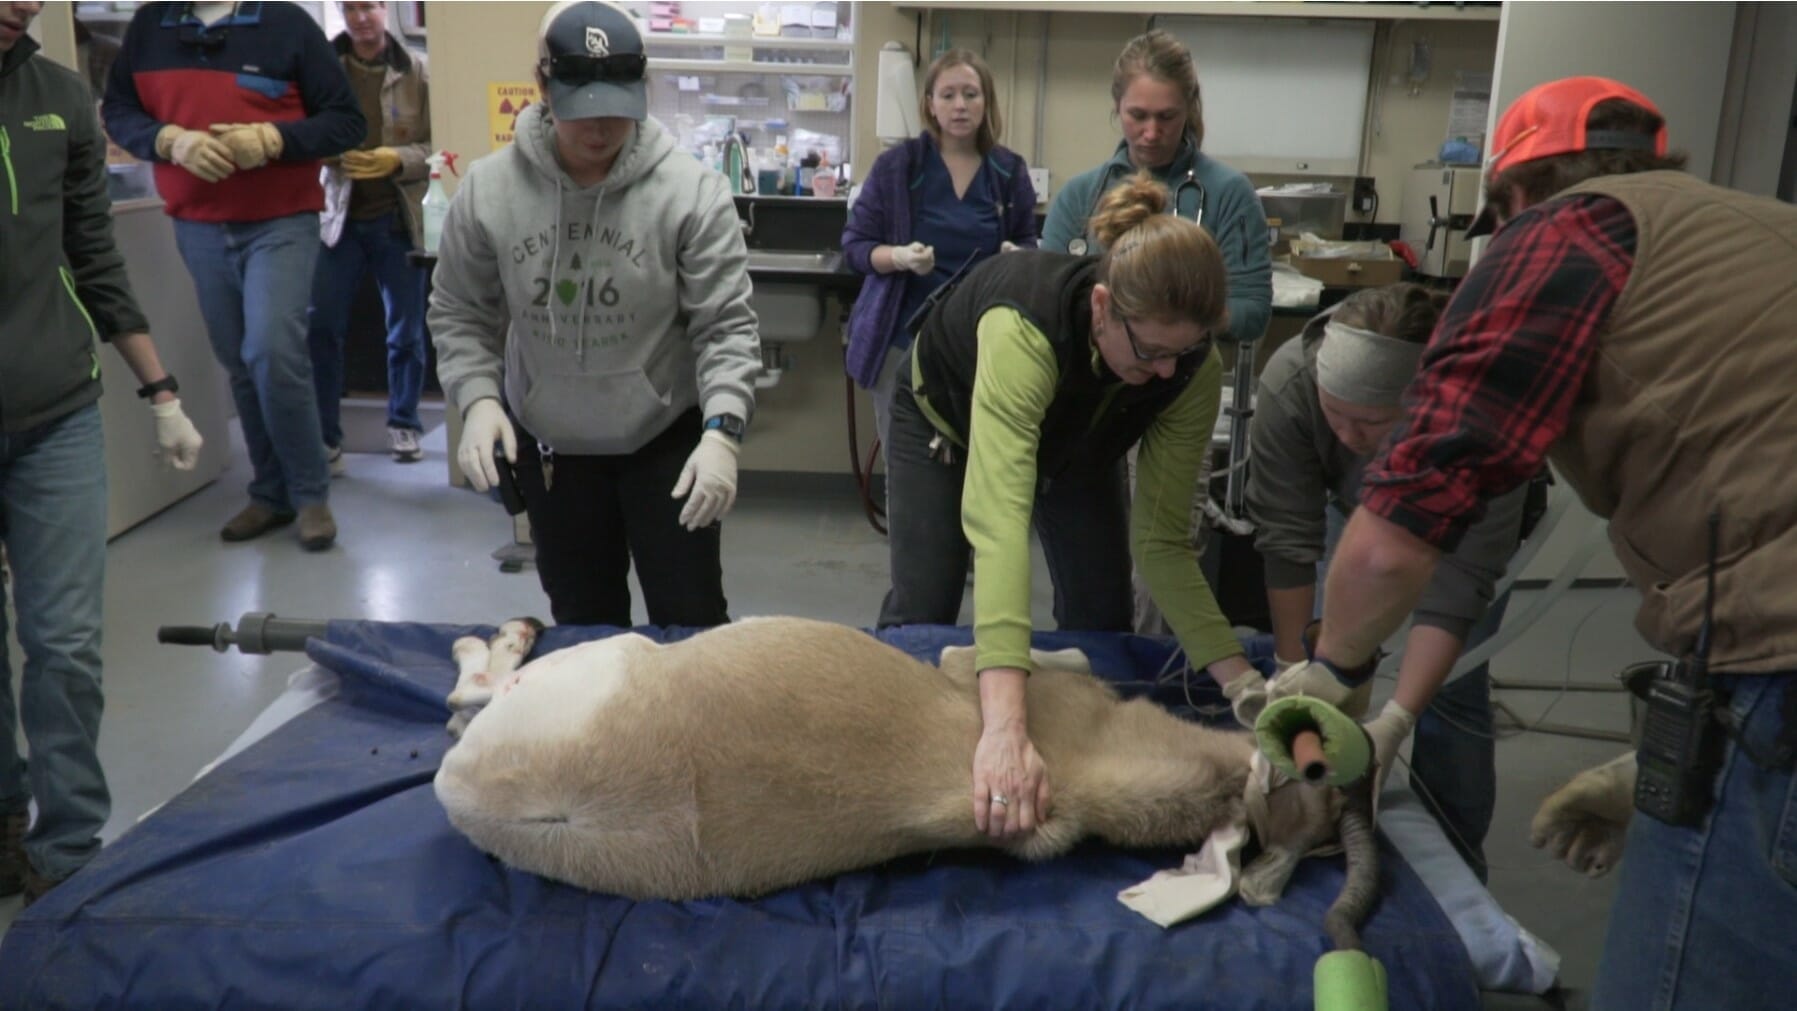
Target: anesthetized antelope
[(774, 751)]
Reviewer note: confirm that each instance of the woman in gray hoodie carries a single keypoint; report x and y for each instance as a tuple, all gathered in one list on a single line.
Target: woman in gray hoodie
[(594, 279)]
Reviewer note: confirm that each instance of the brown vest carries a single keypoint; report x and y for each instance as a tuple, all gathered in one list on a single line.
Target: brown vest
[(1690, 406)]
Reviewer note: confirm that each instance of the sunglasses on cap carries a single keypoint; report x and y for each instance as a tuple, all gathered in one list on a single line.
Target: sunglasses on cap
[(581, 68), (1159, 356)]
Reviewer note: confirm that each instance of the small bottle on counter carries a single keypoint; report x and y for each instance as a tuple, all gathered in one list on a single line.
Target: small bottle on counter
[(823, 178)]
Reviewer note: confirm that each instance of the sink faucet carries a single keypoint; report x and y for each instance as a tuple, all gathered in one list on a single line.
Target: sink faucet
[(735, 155), (748, 224)]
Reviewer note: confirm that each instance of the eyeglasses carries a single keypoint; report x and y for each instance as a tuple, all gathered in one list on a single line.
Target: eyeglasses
[(1158, 356), (580, 68)]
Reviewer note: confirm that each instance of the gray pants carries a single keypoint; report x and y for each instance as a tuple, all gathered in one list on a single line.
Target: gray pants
[(885, 385), (1083, 526)]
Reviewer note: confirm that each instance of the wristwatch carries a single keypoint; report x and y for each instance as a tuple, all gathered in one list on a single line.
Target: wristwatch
[(167, 382), (729, 424)]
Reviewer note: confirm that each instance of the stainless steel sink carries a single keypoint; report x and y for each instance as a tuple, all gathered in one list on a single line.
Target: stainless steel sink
[(776, 259), (792, 309)]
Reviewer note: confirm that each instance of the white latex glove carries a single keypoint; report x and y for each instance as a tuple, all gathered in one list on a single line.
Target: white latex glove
[(484, 424), (917, 258), (196, 151), (710, 476), (179, 441), (1389, 730), (1247, 695), (1586, 821), (1008, 246), (1315, 679)]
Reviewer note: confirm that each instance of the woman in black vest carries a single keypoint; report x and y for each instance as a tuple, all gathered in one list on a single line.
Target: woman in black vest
[(1029, 381)]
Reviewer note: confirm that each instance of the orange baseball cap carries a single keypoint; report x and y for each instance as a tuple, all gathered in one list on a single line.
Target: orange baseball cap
[(1549, 119)]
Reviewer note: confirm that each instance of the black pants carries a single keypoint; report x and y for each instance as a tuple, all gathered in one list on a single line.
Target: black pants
[(1083, 526), (600, 512)]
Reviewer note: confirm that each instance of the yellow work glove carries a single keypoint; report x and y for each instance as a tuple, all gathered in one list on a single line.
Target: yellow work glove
[(196, 151), (252, 145), (379, 163)]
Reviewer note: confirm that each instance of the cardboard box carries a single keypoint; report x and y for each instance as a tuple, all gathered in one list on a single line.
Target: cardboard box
[(1348, 272)]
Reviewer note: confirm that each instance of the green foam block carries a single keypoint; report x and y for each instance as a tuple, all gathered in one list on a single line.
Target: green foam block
[(1345, 744), (1349, 981)]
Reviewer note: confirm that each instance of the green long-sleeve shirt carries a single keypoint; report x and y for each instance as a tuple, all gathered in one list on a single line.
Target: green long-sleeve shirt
[(1014, 384)]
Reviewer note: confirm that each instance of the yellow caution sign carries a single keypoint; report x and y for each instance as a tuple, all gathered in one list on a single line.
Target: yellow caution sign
[(505, 100)]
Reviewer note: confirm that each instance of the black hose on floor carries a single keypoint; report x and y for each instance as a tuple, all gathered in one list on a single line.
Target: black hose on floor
[(876, 514)]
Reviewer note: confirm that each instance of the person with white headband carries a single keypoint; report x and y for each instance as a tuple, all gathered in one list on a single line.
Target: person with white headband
[(1327, 400)]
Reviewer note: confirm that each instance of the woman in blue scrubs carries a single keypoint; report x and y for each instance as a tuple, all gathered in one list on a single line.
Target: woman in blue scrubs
[(930, 209)]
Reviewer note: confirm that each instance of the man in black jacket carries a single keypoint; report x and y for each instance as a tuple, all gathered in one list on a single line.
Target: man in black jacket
[(62, 287)]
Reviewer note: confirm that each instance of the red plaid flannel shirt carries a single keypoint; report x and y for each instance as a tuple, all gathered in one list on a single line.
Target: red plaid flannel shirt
[(1504, 368)]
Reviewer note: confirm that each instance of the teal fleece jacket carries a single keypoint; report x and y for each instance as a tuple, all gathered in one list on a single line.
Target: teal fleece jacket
[(1232, 215)]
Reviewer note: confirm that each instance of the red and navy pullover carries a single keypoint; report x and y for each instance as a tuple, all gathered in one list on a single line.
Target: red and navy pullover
[(266, 62)]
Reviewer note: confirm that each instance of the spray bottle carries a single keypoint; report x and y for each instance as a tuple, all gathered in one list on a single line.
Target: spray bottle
[(436, 201)]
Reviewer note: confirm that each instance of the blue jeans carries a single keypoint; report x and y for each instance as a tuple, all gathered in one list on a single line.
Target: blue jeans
[(253, 280), (53, 520), (379, 245), (1453, 754), (1703, 917)]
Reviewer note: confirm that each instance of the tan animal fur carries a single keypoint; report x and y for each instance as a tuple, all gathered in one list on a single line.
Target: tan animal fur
[(773, 751)]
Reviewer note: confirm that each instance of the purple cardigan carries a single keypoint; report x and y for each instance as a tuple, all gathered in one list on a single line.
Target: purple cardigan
[(882, 216)]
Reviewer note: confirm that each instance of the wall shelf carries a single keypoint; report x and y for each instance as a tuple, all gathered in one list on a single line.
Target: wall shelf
[(1262, 9), (694, 40), (677, 66)]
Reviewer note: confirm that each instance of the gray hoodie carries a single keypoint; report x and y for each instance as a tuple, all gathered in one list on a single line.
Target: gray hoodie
[(1299, 468), (608, 311)]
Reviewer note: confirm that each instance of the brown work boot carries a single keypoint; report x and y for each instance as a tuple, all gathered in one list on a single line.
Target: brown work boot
[(36, 885), (255, 520), (12, 853), (317, 530)]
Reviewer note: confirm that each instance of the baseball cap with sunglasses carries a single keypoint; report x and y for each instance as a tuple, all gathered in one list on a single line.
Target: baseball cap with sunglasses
[(591, 55)]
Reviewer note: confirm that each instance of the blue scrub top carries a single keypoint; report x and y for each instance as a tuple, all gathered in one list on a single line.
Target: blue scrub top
[(962, 229)]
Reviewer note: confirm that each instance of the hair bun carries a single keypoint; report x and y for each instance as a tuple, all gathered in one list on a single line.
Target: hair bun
[(1127, 205)]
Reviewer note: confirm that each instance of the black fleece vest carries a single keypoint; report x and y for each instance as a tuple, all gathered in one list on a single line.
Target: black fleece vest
[(1094, 417)]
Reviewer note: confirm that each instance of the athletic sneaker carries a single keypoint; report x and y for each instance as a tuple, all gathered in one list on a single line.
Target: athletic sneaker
[(334, 456), (403, 442)]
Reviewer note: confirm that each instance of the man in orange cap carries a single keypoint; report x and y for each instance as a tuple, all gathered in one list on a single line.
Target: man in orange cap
[(1634, 325)]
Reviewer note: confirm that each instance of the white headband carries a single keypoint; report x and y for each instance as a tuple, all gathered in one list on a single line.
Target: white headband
[(1363, 367)]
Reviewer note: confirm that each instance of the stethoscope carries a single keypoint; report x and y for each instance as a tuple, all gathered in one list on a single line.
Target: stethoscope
[(1080, 245)]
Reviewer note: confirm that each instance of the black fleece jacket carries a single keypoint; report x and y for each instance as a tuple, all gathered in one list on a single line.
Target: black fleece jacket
[(62, 278)]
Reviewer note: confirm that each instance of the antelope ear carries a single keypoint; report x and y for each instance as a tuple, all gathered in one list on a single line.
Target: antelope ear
[(1069, 659)]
